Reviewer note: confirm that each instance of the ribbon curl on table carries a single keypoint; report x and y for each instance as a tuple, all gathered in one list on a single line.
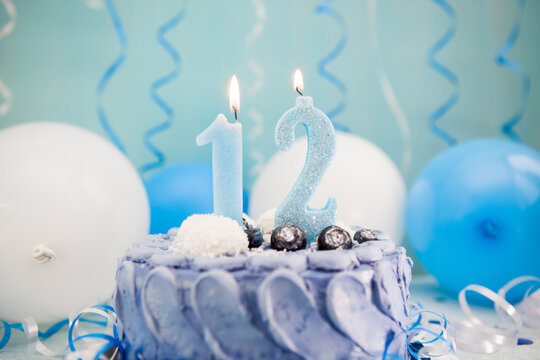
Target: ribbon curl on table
[(388, 91), (325, 8), (475, 336), (167, 109), (445, 72), (258, 71), (95, 344), (501, 58), (111, 70), (5, 31), (430, 335)]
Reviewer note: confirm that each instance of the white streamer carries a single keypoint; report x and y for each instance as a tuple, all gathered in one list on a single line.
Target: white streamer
[(34, 344), (4, 31), (475, 336), (258, 71), (260, 11), (388, 91)]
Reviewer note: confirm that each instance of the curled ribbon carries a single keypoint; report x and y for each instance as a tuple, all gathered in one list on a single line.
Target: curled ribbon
[(501, 58), (167, 109), (431, 335), (111, 70), (388, 91), (475, 336), (325, 8), (445, 72), (4, 31), (258, 71), (95, 343)]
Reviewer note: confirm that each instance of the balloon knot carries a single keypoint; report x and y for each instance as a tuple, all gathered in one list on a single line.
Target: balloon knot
[(489, 229), (42, 254)]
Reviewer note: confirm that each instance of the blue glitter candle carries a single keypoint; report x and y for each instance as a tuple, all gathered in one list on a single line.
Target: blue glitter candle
[(226, 139), (321, 148)]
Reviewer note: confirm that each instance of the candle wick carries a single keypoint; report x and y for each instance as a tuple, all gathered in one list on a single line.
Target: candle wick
[(235, 113), (298, 91)]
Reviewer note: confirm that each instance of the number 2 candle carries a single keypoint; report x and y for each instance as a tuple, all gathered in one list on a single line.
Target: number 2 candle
[(226, 139), (321, 148)]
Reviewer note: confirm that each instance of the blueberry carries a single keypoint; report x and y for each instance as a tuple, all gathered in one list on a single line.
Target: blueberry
[(288, 237), (255, 238), (365, 235), (333, 237)]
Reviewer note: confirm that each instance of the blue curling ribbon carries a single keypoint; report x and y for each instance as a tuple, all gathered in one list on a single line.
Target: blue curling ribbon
[(169, 112), (502, 60), (441, 336), (445, 72), (325, 8), (112, 340), (19, 326), (109, 73)]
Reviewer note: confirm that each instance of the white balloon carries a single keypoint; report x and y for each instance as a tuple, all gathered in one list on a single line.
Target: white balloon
[(70, 205), (367, 185)]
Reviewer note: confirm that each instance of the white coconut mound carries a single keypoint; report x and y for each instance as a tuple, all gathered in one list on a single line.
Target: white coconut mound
[(210, 235), (265, 222)]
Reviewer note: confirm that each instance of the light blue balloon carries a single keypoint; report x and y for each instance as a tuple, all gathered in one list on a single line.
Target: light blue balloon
[(473, 214), (178, 191)]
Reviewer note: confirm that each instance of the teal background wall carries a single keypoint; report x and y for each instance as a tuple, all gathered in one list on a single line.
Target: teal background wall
[(60, 48)]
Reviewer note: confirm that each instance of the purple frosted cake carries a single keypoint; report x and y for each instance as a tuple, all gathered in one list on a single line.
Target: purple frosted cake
[(177, 300)]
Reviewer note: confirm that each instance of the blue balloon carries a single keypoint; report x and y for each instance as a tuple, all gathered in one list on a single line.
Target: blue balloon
[(178, 191), (473, 214)]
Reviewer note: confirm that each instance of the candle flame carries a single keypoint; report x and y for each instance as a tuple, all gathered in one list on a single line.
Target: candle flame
[(298, 81), (234, 95)]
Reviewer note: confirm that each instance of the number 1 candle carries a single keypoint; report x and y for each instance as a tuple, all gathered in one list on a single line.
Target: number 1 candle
[(226, 139), (321, 148)]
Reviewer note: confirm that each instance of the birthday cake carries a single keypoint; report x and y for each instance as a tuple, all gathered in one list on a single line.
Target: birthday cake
[(215, 289)]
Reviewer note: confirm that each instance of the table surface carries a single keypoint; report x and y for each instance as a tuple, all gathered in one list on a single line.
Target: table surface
[(424, 290)]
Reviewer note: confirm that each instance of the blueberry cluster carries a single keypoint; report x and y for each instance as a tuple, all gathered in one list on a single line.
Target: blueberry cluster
[(292, 238)]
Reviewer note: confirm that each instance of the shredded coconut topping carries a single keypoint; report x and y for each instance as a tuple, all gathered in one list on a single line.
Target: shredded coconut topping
[(265, 222), (210, 235)]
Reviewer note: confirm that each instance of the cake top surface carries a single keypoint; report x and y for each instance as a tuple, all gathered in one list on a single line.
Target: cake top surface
[(155, 250), (205, 242)]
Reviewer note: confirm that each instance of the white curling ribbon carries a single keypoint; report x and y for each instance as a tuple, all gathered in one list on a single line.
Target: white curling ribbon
[(256, 155), (473, 335), (4, 31), (260, 11), (529, 307), (31, 331), (388, 92), (12, 13)]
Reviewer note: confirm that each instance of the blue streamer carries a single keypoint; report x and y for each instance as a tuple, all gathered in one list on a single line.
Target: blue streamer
[(168, 110), (109, 73), (502, 60), (414, 351), (325, 8), (112, 340), (445, 72)]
